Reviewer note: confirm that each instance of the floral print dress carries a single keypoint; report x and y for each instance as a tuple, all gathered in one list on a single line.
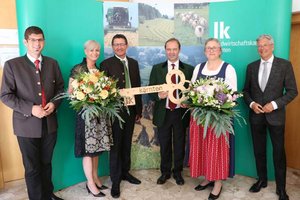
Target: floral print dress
[(93, 138)]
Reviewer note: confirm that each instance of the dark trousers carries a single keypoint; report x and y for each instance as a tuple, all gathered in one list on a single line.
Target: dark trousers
[(171, 138), (259, 136), (120, 158), (37, 155)]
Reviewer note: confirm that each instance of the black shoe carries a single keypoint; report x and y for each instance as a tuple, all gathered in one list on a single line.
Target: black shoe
[(213, 197), (53, 197), (278, 191), (163, 178), (178, 178), (131, 179), (100, 194), (203, 187), (102, 187), (256, 187), (282, 195), (115, 191)]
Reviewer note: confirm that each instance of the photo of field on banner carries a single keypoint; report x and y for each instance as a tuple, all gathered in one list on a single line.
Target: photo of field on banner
[(128, 93)]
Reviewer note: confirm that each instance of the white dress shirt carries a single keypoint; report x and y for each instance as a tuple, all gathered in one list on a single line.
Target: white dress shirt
[(32, 59), (261, 66), (260, 72)]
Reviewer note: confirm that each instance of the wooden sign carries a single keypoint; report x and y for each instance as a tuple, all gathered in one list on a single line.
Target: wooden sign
[(128, 93)]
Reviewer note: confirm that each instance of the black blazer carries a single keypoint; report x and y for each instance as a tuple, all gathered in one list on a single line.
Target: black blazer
[(281, 88), (113, 67), (20, 91)]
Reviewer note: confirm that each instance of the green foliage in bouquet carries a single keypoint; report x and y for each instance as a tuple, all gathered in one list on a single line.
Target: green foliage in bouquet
[(212, 102)]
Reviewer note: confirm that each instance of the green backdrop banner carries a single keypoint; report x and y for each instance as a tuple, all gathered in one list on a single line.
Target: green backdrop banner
[(68, 24), (243, 21)]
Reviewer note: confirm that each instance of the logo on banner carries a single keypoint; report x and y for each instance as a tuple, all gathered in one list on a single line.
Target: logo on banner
[(221, 31)]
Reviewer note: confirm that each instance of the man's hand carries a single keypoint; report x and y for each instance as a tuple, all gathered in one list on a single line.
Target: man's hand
[(184, 105), (38, 111), (257, 108), (49, 108), (268, 108), (162, 95)]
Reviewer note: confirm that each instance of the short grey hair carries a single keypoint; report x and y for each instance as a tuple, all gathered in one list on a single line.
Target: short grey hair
[(91, 44), (265, 36)]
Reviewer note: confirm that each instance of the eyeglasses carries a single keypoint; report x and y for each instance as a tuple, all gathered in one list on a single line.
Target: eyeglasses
[(119, 45), (36, 40), (263, 46), (212, 48)]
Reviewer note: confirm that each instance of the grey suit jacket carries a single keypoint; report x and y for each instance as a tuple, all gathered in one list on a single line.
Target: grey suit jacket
[(281, 88), (20, 91)]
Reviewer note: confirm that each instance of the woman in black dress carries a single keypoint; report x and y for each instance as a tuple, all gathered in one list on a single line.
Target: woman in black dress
[(92, 139)]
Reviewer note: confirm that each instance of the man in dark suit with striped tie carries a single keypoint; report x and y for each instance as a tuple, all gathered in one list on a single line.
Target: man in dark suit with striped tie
[(269, 86)]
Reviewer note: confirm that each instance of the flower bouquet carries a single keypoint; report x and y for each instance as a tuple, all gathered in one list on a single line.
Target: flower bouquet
[(212, 103), (94, 94)]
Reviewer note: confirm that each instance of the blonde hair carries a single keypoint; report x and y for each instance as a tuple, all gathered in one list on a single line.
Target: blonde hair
[(91, 44)]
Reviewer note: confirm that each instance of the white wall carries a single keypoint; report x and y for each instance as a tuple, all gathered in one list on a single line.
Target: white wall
[(296, 6)]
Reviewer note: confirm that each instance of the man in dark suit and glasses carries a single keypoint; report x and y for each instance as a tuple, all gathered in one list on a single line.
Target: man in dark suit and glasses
[(122, 136), (269, 86), (167, 116), (29, 83)]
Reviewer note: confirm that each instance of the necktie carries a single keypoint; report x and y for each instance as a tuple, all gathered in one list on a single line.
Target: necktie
[(264, 77), (37, 66), (172, 105), (127, 77)]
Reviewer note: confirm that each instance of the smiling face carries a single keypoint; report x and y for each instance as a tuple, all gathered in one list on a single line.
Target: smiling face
[(92, 51), (35, 44), (213, 50), (120, 46), (265, 48), (172, 50)]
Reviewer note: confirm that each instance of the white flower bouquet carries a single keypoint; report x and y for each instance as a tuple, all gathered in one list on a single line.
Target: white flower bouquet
[(94, 94), (212, 104)]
